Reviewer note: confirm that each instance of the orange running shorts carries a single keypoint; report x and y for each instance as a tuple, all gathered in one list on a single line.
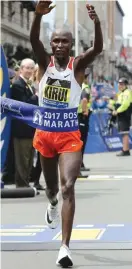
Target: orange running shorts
[(50, 144)]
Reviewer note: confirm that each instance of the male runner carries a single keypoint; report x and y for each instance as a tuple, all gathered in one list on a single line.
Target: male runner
[(60, 87)]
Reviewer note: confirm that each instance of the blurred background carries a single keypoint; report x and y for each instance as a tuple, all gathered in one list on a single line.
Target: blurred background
[(115, 60)]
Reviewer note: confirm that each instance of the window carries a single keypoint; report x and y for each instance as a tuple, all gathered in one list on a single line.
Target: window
[(21, 15), (28, 20), (10, 11), (2, 9)]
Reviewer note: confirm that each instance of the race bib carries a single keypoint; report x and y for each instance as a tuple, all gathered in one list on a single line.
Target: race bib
[(56, 93)]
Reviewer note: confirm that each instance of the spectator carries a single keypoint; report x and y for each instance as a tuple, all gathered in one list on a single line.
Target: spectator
[(84, 113), (36, 167), (22, 133)]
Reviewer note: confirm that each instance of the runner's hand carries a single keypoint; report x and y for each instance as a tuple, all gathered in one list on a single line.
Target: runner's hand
[(92, 13), (44, 7)]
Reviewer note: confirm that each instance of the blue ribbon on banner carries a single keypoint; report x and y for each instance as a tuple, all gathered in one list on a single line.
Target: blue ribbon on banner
[(5, 121), (46, 119)]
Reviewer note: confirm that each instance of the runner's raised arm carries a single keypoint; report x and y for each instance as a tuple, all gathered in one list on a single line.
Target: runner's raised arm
[(88, 57), (43, 58)]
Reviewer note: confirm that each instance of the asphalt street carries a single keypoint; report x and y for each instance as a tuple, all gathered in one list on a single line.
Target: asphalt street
[(102, 231)]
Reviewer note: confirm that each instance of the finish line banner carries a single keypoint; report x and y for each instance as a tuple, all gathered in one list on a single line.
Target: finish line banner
[(58, 120), (46, 119)]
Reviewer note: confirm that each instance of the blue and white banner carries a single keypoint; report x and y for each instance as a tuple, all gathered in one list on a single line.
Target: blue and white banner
[(47, 119), (99, 139), (59, 120), (5, 121)]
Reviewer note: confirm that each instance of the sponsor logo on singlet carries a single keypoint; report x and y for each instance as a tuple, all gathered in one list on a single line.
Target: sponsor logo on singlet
[(56, 93)]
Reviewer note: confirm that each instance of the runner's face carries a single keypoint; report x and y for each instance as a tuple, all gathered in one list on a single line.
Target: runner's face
[(27, 71), (61, 45)]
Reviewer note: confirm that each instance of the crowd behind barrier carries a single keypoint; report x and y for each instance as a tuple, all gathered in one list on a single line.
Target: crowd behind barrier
[(17, 152), (99, 139)]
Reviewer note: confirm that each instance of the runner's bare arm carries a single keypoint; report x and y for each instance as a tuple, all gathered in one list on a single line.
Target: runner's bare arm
[(89, 56), (43, 58), (38, 48)]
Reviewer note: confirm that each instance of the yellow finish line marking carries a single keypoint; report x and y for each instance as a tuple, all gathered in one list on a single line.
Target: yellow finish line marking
[(83, 234)]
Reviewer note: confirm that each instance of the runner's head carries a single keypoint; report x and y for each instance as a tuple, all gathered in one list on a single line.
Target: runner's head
[(61, 43)]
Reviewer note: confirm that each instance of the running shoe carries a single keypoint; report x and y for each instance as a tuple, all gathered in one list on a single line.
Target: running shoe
[(52, 216), (64, 258)]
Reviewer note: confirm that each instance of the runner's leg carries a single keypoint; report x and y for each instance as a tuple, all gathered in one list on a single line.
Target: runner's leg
[(69, 164), (50, 171)]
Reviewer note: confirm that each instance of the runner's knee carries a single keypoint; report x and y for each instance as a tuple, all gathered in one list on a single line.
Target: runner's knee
[(68, 189), (51, 192)]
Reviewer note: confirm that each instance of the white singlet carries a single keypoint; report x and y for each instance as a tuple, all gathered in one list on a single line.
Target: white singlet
[(59, 89)]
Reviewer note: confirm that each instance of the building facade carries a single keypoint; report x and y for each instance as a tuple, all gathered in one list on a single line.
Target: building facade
[(15, 24), (116, 30), (16, 20), (65, 16)]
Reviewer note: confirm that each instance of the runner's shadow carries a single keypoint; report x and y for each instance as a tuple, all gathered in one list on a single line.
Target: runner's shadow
[(99, 261)]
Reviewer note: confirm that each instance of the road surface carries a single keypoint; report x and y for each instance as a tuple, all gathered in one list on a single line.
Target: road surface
[(102, 231)]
